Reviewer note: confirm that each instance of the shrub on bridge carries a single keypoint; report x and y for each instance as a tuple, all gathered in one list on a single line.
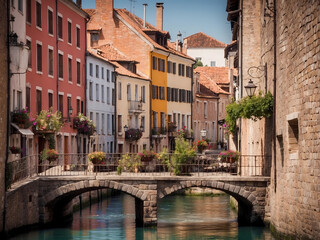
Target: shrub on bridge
[(97, 157), (129, 162)]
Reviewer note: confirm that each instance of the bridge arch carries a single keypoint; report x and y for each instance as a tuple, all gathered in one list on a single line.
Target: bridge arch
[(250, 203), (57, 202)]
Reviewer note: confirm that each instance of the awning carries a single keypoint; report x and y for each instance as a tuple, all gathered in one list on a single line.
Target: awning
[(26, 132)]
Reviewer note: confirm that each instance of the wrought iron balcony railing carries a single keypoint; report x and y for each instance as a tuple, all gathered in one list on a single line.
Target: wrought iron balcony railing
[(135, 106)]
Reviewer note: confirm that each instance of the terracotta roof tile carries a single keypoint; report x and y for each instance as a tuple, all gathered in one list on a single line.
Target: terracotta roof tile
[(218, 74), (202, 40), (210, 81)]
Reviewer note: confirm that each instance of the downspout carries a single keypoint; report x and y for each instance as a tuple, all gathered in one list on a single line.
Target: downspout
[(274, 94), (8, 122), (115, 147), (191, 100), (218, 118), (150, 101), (241, 71)]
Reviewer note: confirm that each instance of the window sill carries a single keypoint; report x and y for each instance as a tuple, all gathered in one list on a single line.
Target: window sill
[(60, 79), (39, 28), (39, 72), (70, 82), (50, 76), (51, 35)]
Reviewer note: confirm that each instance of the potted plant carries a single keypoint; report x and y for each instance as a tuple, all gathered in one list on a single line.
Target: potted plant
[(21, 118), (97, 157), (129, 163), (229, 156), (15, 150), (172, 127), (47, 122), (49, 154), (133, 134), (201, 145), (83, 125), (146, 156)]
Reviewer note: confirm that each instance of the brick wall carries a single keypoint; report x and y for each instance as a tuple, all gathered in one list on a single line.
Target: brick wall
[(294, 193), (3, 100)]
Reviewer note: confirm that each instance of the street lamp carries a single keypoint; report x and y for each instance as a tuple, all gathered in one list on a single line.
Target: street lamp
[(125, 128), (250, 88), (70, 110), (203, 133)]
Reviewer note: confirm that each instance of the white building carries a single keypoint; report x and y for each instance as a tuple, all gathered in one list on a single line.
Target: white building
[(208, 50), (100, 92)]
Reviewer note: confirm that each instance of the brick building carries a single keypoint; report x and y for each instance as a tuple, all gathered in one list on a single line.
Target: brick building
[(55, 32), (278, 47), (211, 95)]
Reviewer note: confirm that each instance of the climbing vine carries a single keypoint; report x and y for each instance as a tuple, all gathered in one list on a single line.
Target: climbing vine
[(255, 108)]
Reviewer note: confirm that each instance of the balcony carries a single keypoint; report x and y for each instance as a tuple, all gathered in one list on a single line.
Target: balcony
[(133, 134), (135, 106), (159, 132)]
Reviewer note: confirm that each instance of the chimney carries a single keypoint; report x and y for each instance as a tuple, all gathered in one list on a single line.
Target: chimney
[(144, 14), (105, 7), (179, 42), (78, 2), (159, 15)]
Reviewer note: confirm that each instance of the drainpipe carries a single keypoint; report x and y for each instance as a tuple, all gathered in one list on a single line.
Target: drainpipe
[(57, 54), (275, 94), (8, 122), (241, 71), (115, 147)]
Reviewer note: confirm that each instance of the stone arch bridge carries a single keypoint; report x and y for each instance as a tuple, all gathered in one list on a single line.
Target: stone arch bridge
[(55, 193)]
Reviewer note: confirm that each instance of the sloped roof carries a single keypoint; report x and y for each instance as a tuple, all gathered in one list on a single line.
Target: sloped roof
[(209, 81), (218, 74), (112, 54), (202, 40)]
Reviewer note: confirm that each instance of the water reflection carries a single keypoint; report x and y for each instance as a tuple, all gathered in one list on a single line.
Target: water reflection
[(179, 217)]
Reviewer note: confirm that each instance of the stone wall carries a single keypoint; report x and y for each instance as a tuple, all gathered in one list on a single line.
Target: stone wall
[(3, 100), (294, 190)]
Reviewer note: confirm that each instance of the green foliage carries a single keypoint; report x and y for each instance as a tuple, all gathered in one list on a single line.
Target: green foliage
[(129, 163), (48, 121), (51, 141), (182, 154), (255, 108), (198, 64)]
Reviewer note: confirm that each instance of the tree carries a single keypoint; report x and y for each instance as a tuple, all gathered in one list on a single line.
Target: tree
[(198, 64)]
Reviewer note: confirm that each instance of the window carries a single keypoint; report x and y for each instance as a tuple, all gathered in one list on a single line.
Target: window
[(129, 92), (163, 120), (97, 92), (205, 109), (28, 43), (108, 95), (174, 68), (113, 75), (78, 37), (136, 92), (102, 72), (28, 13), (161, 65), (113, 97), (183, 120), (94, 38), (20, 5), (50, 62), (39, 57), (69, 32), (90, 91), (143, 94), (119, 91), (50, 22), (90, 69), (70, 69), (60, 27), (28, 98), (293, 135), (97, 123), (60, 67), (169, 66), (119, 123), (61, 104), (69, 107), (102, 123), (113, 124), (168, 94), (78, 72), (102, 93), (78, 106), (154, 63), (19, 99), (188, 71), (155, 92), (108, 75), (39, 101), (108, 124), (38, 15), (162, 93), (142, 123), (50, 99), (213, 63), (97, 71)]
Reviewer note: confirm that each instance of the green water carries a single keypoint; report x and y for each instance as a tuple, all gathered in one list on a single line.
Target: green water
[(179, 217)]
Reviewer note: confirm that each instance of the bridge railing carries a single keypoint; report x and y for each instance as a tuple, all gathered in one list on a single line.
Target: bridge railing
[(78, 165)]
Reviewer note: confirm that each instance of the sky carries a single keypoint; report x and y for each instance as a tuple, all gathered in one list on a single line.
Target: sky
[(187, 16)]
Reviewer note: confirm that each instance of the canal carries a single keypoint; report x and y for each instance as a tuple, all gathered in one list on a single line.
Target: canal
[(179, 217)]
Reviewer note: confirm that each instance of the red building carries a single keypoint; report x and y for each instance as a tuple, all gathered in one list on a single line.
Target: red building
[(55, 32)]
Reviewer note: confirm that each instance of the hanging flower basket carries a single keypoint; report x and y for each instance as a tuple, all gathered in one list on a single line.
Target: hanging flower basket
[(83, 125), (21, 118), (133, 134), (97, 157), (47, 122), (50, 155), (15, 150)]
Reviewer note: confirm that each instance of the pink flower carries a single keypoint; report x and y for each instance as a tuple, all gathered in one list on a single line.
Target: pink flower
[(48, 115)]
